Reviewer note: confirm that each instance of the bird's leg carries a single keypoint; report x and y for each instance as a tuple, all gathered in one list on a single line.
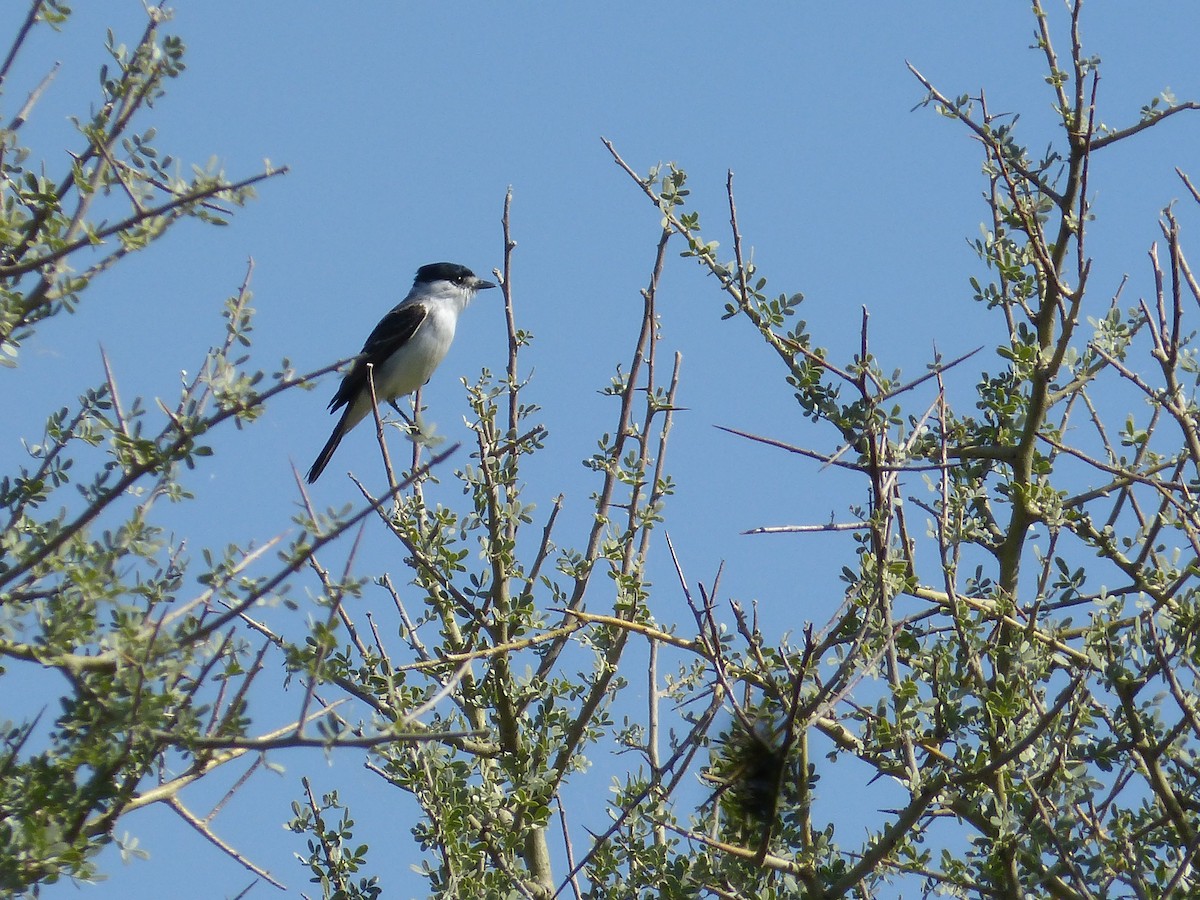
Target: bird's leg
[(401, 413)]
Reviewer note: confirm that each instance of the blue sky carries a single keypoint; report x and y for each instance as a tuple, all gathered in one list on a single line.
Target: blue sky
[(403, 125)]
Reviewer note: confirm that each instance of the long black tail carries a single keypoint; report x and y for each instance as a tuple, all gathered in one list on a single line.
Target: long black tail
[(323, 457)]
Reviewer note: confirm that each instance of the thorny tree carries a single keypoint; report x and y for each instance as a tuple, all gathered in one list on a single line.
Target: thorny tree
[(1015, 651), (1030, 616)]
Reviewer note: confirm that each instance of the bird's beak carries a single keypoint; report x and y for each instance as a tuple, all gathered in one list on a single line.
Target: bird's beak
[(481, 285)]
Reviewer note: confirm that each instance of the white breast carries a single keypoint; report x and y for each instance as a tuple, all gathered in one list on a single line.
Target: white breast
[(410, 367)]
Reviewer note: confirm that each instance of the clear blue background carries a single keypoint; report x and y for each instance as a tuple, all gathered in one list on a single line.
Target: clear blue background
[(403, 125)]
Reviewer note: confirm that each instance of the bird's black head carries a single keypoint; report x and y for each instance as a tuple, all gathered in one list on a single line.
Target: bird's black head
[(444, 271), (451, 273)]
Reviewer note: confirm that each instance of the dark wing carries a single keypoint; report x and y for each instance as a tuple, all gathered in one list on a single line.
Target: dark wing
[(392, 332)]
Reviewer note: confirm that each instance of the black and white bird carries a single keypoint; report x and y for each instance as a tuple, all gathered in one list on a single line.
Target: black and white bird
[(404, 349)]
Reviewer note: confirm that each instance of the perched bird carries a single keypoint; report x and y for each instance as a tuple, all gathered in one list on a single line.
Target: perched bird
[(404, 349)]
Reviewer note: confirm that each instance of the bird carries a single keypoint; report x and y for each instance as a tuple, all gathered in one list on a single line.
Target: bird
[(404, 348)]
